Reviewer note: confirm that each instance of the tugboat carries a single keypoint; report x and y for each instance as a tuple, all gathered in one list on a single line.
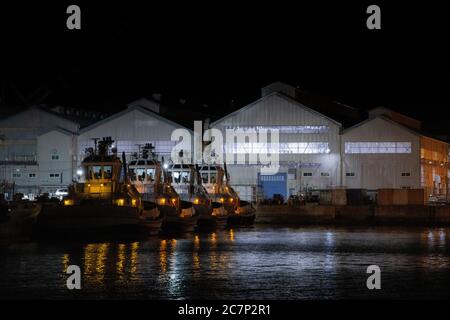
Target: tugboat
[(105, 201), (154, 184), (18, 217), (215, 179), (188, 184)]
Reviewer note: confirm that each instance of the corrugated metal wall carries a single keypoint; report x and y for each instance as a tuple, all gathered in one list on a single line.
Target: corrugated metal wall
[(276, 110), (129, 130), (374, 171)]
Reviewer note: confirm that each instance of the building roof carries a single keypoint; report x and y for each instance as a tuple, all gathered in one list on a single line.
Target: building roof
[(43, 110), (278, 94), (414, 131), (60, 130), (128, 110)]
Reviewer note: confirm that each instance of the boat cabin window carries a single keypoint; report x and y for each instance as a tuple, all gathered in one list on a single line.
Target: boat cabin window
[(205, 177), (140, 174), (213, 177), (97, 173), (185, 176), (107, 172), (176, 176), (150, 174)]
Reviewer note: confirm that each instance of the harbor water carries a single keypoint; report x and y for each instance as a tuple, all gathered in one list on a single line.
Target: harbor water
[(261, 262)]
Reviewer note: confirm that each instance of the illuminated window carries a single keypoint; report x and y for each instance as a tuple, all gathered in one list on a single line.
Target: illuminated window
[(151, 174), (377, 147), (107, 172), (176, 176), (185, 176), (281, 148), (283, 129), (140, 174)]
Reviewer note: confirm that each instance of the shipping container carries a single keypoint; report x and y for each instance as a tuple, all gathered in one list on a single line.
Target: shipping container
[(339, 197), (416, 196), (400, 197), (385, 197)]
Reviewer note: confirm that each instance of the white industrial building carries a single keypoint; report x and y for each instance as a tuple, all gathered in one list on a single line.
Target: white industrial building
[(389, 150), (31, 156), (40, 150), (131, 129), (309, 145)]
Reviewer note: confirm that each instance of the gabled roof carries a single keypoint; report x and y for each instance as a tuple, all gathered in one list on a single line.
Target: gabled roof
[(60, 130), (419, 133), (278, 94), (128, 110), (54, 114)]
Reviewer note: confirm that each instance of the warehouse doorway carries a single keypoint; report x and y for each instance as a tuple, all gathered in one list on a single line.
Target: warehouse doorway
[(273, 184)]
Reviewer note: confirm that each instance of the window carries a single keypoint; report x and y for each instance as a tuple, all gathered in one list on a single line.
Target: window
[(140, 174), (283, 129), (406, 174), (213, 177), (349, 174), (55, 157), (54, 175), (280, 148), (176, 176), (17, 175), (107, 172), (150, 174), (205, 177), (32, 175), (324, 174), (185, 177), (377, 147), (307, 174)]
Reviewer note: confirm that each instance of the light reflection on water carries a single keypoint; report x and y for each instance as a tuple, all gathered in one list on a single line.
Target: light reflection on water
[(255, 263)]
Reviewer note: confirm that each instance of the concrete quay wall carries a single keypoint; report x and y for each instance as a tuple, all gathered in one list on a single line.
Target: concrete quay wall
[(364, 214)]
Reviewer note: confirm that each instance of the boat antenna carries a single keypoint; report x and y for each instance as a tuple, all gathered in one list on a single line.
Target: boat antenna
[(197, 174), (226, 171), (95, 144), (124, 164)]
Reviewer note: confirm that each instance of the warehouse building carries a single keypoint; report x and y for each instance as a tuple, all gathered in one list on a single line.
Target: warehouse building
[(386, 150), (389, 150), (33, 154), (321, 146), (140, 123), (309, 145)]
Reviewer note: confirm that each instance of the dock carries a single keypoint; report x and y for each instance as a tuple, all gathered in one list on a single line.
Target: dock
[(426, 215)]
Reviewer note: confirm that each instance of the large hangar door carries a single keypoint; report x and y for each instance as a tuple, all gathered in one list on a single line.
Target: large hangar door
[(273, 184)]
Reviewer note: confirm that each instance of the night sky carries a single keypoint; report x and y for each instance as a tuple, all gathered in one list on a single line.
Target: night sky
[(214, 54)]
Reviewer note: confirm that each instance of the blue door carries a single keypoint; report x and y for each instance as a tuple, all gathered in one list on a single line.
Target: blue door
[(273, 184)]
